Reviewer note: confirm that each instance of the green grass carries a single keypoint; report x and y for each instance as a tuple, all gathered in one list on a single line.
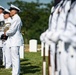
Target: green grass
[(30, 65)]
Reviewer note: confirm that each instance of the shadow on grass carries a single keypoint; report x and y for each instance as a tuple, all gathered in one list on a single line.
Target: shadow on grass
[(28, 68), (1, 66), (23, 60)]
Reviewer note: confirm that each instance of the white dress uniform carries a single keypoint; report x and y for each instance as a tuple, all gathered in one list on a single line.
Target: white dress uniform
[(1, 32), (53, 24), (1, 19), (70, 41), (49, 34), (59, 30), (16, 40), (6, 44)]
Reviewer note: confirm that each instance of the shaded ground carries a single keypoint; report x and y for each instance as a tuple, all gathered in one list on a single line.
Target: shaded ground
[(30, 65)]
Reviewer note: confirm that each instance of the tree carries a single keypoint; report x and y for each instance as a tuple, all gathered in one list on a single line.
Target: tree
[(34, 17)]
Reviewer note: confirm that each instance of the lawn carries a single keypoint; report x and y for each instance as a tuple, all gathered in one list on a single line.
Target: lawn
[(30, 65)]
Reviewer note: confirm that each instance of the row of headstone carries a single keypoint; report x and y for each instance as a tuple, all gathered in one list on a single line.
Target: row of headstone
[(33, 48)]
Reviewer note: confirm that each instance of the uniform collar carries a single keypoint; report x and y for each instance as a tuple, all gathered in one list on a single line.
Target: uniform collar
[(14, 16)]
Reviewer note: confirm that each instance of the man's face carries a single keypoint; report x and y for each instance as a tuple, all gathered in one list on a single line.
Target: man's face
[(1, 10), (13, 12), (6, 16)]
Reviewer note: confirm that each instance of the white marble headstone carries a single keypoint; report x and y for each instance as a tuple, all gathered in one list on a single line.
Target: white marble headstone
[(33, 45), (22, 51)]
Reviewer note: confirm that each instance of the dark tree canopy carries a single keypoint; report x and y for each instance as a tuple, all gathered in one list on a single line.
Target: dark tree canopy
[(34, 16)]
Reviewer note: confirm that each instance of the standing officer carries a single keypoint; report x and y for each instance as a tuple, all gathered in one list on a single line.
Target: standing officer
[(1, 32), (60, 30), (55, 36), (52, 29), (69, 39), (6, 43), (16, 39)]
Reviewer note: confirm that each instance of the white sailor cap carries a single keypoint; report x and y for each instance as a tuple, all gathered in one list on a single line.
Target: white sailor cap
[(1, 7), (6, 11), (13, 7)]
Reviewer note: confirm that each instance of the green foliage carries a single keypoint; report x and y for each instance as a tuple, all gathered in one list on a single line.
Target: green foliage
[(34, 17)]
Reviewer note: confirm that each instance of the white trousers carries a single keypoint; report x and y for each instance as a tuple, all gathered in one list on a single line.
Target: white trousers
[(52, 54), (62, 58), (58, 62), (60, 55), (15, 60), (6, 55), (3, 49), (3, 56), (53, 50), (8, 61), (68, 63), (71, 65), (64, 69)]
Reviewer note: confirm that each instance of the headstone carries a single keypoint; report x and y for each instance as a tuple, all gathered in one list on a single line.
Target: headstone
[(46, 49), (22, 51), (33, 45)]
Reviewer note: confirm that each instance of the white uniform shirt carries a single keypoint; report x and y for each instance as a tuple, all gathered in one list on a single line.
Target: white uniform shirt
[(7, 24), (1, 19), (53, 23), (70, 32), (13, 33), (61, 21)]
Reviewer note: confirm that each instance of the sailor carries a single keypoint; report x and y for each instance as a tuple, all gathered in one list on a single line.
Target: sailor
[(52, 44), (16, 39), (55, 36), (60, 30), (6, 43), (69, 39), (52, 29), (1, 32)]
